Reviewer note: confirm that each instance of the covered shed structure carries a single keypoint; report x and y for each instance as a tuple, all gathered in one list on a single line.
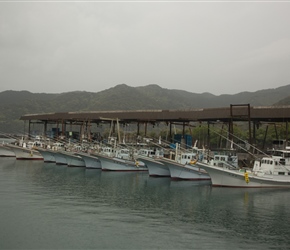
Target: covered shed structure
[(252, 115)]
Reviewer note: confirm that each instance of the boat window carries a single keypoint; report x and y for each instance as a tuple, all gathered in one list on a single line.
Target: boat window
[(277, 153)]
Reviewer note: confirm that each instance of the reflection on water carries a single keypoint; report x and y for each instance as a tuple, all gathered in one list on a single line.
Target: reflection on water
[(51, 206)]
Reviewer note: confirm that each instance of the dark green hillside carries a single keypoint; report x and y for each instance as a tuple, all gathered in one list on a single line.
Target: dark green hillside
[(14, 104), (174, 99), (11, 97), (285, 101)]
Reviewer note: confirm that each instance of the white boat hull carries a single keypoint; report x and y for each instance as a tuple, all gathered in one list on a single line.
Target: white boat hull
[(116, 164), (73, 160), (22, 153), (47, 155), (234, 178), (155, 168), (6, 152), (180, 171), (186, 172), (59, 158), (91, 162)]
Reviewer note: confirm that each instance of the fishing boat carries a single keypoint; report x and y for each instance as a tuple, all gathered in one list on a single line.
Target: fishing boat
[(155, 167), (187, 169), (47, 155), (281, 154), (6, 152), (26, 152), (60, 159), (180, 164), (183, 167), (91, 161), (114, 163), (179, 171), (72, 159), (267, 172), (150, 158)]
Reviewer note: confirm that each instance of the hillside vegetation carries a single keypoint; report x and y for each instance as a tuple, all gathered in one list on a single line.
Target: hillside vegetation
[(14, 104)]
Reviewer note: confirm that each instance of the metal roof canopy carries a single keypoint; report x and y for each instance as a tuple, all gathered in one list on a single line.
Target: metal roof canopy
[(224, 114)]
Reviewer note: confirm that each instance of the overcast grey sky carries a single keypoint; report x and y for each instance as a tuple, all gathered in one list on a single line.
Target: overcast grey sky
[(218, 47)]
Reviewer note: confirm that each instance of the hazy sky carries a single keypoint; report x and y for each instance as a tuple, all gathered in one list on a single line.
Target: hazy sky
[(222, 47)]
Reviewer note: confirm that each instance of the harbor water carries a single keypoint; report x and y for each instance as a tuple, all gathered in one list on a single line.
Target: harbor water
[(46, 206)]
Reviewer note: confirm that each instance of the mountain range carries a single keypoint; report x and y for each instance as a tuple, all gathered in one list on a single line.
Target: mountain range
[(14, 104)]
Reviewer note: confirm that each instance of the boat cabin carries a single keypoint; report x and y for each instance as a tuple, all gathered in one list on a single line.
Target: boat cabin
[(124, 153), (224, 160), (32, 144), (269, 165), (186, 158), (108, 151), (282, 155), (150, 152)]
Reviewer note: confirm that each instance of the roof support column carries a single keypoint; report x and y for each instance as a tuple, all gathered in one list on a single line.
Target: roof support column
[(138, 128), (265, 136), (29, 128), (286, 142), (170, 131), (254, 132), (81, 131), (44, 129), (249, 120), (57, 125), (276, 132), (220, 136), (145, 128), (63, 128), (208, 135)]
